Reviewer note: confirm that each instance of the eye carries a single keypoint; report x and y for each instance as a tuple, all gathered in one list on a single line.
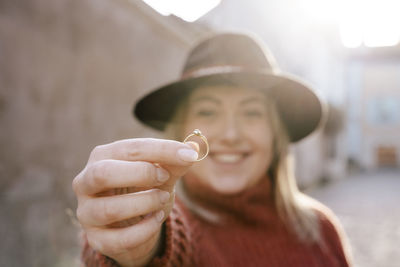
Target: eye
[(253, 113), (206, 113)]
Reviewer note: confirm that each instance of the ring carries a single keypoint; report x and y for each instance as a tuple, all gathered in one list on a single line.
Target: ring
[(198, 133)]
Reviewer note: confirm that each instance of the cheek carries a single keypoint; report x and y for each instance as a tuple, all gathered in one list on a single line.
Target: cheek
[(266, 143), (261, 135), (263, 143)]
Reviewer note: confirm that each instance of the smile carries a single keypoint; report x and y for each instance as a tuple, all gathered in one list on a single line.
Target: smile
[(228, 158)]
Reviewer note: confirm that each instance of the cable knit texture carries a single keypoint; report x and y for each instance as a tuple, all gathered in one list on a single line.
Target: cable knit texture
[(249, 233), (177, 249)]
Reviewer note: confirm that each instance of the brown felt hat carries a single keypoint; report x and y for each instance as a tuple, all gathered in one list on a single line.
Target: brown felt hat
[(240, 60)]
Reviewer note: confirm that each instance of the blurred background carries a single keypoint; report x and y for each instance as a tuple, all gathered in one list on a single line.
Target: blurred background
[(70, 71)]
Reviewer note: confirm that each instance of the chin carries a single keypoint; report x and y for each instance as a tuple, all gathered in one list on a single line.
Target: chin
[(228, 185)]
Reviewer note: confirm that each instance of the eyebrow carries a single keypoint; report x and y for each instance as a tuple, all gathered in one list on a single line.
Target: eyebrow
[(206, 98), (250, 100), (217, 101)]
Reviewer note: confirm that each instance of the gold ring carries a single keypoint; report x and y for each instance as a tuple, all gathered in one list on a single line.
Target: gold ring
[(198, 133)]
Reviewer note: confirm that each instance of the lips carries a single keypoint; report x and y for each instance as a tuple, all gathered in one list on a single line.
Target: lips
[(228, 158)]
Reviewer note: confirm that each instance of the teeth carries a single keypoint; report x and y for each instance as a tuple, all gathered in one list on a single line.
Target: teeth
[(228, 158)]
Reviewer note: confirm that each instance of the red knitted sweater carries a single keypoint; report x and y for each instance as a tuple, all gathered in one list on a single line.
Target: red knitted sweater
[(250, 233)]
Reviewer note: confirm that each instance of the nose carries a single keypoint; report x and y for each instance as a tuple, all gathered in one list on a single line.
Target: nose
[(230, 131)]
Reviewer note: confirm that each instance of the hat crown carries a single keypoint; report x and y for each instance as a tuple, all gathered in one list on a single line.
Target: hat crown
[(229, 50), (239, 60)]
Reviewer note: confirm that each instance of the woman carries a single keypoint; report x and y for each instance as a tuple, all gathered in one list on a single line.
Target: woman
[(240, 206)]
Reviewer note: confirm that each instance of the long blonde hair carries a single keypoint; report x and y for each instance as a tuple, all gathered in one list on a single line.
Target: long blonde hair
[(294, 208)]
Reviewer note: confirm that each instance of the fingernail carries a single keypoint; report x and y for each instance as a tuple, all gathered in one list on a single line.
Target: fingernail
[(162, 175), (160, 215), (164, 196), (188, 155)]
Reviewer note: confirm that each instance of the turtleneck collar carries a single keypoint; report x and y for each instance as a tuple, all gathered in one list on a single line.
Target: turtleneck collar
[(252, 206)]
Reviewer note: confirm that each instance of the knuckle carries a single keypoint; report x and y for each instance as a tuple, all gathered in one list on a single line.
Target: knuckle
[(96, 151), (98, 172), (76, 182), (93, 241), (110, 212), (80, 214), (134, 148)]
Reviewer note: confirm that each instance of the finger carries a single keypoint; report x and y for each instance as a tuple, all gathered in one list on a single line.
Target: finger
[(193, 145), (108, 174), (147, 149), (118, 240), (107, 210), (176, 171)]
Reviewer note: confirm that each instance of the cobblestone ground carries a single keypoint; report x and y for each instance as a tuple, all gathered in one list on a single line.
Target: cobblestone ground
[(368, 205)]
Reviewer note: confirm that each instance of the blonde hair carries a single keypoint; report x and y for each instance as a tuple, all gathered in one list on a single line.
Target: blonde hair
[(294, 208)]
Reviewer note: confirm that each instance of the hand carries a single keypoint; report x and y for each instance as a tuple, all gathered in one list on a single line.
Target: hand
[(125, 192)]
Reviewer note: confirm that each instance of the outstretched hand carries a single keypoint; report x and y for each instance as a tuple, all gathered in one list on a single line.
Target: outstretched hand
[(125, 192)]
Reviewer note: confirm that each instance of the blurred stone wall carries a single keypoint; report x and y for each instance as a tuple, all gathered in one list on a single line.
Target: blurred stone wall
[(70, 71)]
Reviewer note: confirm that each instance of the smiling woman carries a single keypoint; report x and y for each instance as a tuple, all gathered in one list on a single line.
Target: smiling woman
[(240, 206), (236, 124)]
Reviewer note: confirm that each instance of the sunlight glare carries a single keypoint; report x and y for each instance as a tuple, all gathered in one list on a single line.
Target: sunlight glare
[(371, 23), (376, 22), (188, 10)]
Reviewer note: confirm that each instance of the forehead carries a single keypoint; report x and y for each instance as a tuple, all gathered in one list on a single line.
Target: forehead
[(226, 94)]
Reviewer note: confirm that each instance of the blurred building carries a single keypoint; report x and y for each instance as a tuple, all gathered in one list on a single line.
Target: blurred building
[(374, 107)]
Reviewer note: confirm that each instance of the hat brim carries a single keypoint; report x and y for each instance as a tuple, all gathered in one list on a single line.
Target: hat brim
[(301, 110)]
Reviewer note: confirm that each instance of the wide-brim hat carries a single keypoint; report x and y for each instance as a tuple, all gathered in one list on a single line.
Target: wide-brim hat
[(240, 60)]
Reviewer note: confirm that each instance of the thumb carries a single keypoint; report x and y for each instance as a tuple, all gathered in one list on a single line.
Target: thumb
[(194, 145), (178, 171)]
